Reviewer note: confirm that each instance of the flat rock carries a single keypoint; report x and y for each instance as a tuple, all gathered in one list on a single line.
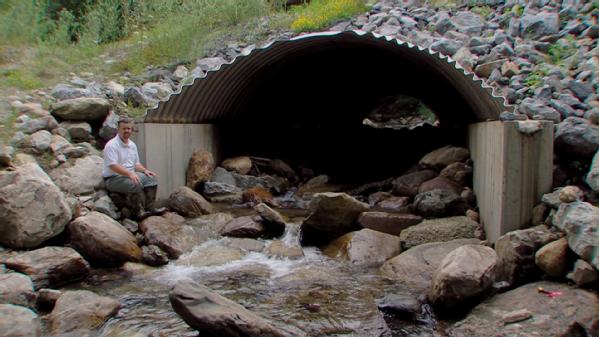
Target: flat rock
[(244, 226), (50, 267), (444, 156), (438, 230), (79, 311), (170, 234), (439, 203), (83, 177), (390, 223), (548, 316), (408, 184), (216, 315), (81, 109), (366, 247), (282, 249)]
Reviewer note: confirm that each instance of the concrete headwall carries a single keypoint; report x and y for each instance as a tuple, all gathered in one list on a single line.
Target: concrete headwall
[(166, 149), (512, 170)]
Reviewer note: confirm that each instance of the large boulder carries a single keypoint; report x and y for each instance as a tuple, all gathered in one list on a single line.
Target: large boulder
[(576, 138), (365, 247), (438, 230), (525, 311), (444, 156), (77, 312), (82, 177), (552, 258), (333, 215), (535, 26), (170, 234), (580, 221), (17, 289), (32, 210), (81, 109), (199, 169), (583, 273), (415, 267), (17, 321), (211, 224), (189, 203), (464, 274), (516, 251), (390, 223), (50, 267), (408, 184), (215, 315), (103, 241)]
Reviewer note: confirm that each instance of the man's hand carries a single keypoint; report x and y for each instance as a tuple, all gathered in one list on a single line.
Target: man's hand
[(150, 173), (134, 178)]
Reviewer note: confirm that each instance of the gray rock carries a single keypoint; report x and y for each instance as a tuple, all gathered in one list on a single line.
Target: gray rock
[(415, 267), (17, 321), (58, 145), (583, 273), (468, 22), (157, 90), (564, 109), (272, 219), (30, 126), (34, 209), (103, 241), (78, 131), (135, 98), (81, 109), (539, 25), (66, 91), (516, 251), (554, 199), (180, 74), (109, 127), (281, 249), (220, 175), (366, 247), (211, 223), (536, 108), (592, 178), (333, 214), (210, 63), (446, 46), (105, 205), (79, 311), (80, 178), (189, 203), (440, 202), (485, 69), (438, 230), (580, 221), (17, 289), (40, 141), (444, 25), (576, 138), (546, 316), (582, 90), (50, 266), (464, 274), (170, 234), (215, 315), (465, 58)]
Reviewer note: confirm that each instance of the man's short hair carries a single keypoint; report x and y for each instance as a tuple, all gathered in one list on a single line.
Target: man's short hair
[(125, 120)]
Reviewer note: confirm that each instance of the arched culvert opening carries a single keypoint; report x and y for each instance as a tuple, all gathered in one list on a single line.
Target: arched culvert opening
[(306, 99)]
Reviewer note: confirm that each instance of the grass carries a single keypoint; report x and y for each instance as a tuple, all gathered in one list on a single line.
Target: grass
[(322, 13), (560, 50), (483, 11), (535, 78)]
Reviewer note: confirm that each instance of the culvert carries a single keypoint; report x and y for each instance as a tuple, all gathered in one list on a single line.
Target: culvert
[(307, 98)]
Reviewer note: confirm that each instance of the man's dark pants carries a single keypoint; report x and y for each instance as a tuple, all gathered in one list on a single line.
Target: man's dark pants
[(139, 196)]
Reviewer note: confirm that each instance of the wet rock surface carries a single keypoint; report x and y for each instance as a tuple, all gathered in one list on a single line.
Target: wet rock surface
[(81, 311)]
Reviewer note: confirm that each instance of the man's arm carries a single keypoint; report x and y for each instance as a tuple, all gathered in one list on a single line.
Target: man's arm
[(124, 172), (140, 168)]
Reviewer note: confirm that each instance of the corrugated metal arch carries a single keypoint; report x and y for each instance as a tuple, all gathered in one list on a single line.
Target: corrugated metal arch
[(226, 93)]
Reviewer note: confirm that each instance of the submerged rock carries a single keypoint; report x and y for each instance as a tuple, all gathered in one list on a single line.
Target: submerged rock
[(79, 311), (215, 315), (245, 227), (170, 234)]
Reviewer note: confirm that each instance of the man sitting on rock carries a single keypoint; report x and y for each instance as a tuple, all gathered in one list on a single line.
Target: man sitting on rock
[(124, 174)]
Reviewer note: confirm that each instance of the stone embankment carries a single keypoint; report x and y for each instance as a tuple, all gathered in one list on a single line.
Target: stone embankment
[(419, 228)]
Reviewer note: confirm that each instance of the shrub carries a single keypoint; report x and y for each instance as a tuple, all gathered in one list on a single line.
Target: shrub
[(321, 13)]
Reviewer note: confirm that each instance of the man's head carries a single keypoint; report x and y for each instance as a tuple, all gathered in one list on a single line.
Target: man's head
[(125, 128)]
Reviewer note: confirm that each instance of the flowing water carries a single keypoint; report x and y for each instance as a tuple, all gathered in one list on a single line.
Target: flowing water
[(315, 293)]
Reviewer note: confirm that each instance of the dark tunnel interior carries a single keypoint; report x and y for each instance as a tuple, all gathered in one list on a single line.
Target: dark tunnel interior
[(308, 109)]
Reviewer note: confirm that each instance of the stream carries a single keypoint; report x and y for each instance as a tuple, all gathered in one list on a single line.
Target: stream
[(319, 295)]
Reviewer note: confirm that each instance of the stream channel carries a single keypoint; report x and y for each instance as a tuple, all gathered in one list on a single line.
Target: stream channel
[(319, 295)]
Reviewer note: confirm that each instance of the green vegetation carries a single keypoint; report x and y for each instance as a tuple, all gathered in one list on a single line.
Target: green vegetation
[(483, 11), (562, 49), (321, 13), (517, 10), (535, 78)]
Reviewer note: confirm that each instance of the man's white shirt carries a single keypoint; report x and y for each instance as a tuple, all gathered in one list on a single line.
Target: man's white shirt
[(117, 152)]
